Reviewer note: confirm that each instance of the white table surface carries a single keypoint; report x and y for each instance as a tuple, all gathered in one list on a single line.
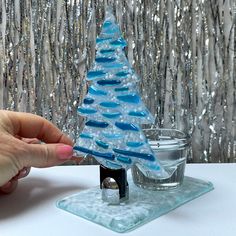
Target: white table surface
[(31, 209)]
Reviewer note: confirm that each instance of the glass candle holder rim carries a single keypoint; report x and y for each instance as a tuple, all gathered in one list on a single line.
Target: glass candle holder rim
[(175, 147), (182, 135), (174, 140)]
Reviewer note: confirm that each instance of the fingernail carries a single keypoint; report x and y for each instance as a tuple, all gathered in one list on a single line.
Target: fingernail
[(23, 173), (64, 152), (9, 187)]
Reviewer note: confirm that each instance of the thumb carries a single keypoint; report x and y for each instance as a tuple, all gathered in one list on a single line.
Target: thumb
[(46, 155)]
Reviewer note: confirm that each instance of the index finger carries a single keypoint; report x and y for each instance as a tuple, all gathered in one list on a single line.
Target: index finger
[(32, 126)]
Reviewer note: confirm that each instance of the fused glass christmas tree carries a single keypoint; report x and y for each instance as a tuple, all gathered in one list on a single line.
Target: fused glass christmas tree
[(114, 113), (114, 110)]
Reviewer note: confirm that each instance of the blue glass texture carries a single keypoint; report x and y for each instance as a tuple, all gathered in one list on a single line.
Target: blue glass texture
[(122, 89), (86, 136), (102, 144), (126, 126), (88, 101), (113, 165), (102, 40), (113, 66), (97, 124), (122, 74), (124, 159), (108, 82), (114, 115), (106, 155), (107, 24), (134, 144), (110, 29), (97, 92), (153, 167), (145, 156), (137, 113), (86, 110), (119, 43), (109, 104), (107, 51), (95, 74), (112, 136), (105, 59), (129, 98)]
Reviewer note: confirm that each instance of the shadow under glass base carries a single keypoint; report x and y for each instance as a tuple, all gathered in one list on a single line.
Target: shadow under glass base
[(142, 206)]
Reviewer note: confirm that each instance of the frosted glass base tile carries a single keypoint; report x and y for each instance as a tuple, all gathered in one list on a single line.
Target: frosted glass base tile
[(142, 207)]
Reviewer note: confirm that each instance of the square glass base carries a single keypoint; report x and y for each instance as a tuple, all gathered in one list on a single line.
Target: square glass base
[(142, 206)]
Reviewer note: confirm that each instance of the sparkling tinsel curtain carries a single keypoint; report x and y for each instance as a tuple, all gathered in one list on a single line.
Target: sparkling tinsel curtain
[(183, 50)]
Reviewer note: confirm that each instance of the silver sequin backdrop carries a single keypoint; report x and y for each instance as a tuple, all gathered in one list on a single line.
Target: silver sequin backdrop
[(183, 50)]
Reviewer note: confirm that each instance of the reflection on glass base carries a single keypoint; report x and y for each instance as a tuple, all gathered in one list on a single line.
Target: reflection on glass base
[(142, 207)]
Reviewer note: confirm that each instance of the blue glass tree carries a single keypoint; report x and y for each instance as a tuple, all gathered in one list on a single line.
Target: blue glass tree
[(114, 110)]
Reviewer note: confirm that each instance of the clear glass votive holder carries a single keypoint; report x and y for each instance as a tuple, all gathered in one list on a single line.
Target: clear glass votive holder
[(172, 149)]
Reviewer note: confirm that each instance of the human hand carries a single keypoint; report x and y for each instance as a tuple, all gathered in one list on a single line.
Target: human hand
[(20, 146)]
